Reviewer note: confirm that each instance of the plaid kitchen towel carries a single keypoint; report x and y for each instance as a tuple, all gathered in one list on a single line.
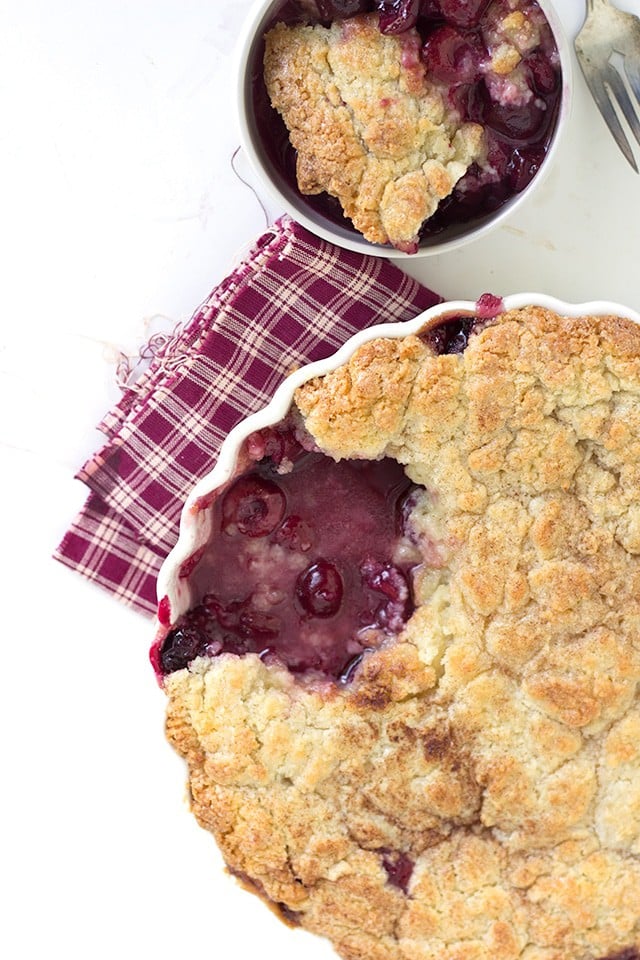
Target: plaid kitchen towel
[(294, 299)]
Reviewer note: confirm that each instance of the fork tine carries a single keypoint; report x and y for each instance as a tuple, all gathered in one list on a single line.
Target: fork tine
[(619, 91), (601, 98), (632, 70)]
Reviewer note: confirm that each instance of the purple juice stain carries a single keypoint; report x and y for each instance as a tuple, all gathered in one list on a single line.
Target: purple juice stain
[(300, 569), (451, 32), (399, 869)]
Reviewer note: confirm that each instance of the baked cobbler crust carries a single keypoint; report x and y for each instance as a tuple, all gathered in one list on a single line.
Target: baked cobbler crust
[(367, 126), (494, 747)]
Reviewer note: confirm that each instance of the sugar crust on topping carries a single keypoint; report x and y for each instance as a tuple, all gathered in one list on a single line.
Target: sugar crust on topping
[(496, 743), (367, 126)]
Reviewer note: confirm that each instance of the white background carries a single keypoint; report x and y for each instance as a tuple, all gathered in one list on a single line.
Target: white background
[(119, 210)]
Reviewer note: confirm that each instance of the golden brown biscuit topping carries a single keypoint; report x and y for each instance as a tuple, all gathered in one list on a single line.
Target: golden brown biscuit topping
[(367, 126)]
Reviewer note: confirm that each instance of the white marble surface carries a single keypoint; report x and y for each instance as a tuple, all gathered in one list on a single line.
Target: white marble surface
[(119, 210)]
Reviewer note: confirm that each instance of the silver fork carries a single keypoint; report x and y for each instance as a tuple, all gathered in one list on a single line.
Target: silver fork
[(608, 32)]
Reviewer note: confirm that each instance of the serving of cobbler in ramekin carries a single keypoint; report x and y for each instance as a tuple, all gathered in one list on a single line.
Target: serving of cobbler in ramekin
[(400, 639), (410, 124)]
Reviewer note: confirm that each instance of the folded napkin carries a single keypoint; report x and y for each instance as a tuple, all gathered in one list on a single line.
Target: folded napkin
[(293, 299)]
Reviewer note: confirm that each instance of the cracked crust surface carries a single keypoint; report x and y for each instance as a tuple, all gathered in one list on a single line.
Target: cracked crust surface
[(367, 125), (496, 744)]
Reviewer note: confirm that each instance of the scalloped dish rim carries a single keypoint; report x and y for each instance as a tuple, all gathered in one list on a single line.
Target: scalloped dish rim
[(172, 590)]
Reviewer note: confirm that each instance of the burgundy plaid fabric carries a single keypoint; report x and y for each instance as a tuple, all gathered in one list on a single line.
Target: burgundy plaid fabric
[(294, 299)]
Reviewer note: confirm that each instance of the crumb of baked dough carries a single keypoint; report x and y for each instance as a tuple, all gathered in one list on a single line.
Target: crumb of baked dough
[(474, 793), (367, 126)]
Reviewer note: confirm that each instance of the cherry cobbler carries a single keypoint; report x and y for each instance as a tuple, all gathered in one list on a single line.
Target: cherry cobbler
[(407, 686), (411, 118)]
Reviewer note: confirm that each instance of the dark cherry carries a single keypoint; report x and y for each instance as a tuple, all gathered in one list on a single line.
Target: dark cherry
[(523, 166), (463, 13), (451, 335), (180, 647), (319, 589), (517, 124), (514, 123), (542, 75), (451, 56), (398, 16), (254, 506), (399, 869)]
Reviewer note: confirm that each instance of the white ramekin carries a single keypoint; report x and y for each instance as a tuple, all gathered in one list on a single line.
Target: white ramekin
[(295, 204)]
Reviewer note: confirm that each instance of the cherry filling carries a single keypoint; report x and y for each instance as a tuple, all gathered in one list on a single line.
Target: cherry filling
[(451, 334), (399, 869), (254, 507), (457, 38), (309, 564), (396, 16)]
